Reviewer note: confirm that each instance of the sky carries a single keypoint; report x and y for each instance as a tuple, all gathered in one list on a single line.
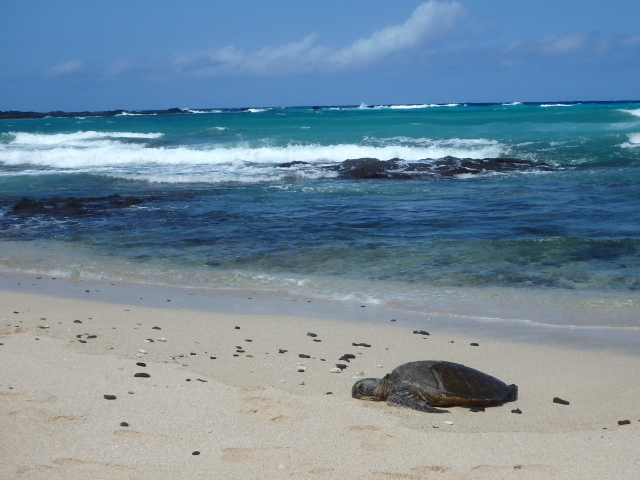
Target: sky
[(77, 55)]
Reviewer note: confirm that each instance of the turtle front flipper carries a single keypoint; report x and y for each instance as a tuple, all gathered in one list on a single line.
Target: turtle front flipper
[(404, 398)]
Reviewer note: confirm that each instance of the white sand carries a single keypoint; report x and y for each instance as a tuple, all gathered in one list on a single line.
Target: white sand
[(253, 419)]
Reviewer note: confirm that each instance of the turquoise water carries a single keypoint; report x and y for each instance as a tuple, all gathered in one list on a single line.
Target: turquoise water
[(218, 210)]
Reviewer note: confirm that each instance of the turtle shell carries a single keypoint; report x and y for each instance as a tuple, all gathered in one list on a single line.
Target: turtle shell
[(447, 383)]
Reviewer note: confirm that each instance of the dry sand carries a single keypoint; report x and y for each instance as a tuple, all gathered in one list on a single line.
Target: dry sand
[(255, 415)]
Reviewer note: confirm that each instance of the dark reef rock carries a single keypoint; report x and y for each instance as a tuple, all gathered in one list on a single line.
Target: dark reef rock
[(291, 164), (74, 205), (372, 168)]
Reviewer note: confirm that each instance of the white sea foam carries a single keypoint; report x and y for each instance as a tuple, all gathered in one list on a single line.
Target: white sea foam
[(634, 141), (23, 139), (109, 153), (635, 112), (558, 104), (512, 103), (258, 110)]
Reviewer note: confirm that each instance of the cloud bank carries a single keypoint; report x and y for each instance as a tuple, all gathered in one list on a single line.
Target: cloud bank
[(430, 21)]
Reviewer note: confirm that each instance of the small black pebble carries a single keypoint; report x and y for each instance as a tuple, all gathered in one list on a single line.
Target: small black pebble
[(341, 366), (362, 306), (141, 364), (302, 355), (517, 410), (248, 340), (124, 424), (420, 332), (82, 341), (322, 360), (168, 300), (150, 340), (192, 353), (212, 358), (349, 355), (280, 350), (156, 328), (477, 409), (560, 401), (37, 339), (86, 291), (310, 334), (360, 344), (109, 397), (393, 319), (237, 328), (474, 344), (75, 321), (201, 380), (195, 453), (236, 355), (188, 379), (329, 393), (624, 422), (79, 336), (92, 336), (239, 351), (16, 312), (142, 375), (316, 340)]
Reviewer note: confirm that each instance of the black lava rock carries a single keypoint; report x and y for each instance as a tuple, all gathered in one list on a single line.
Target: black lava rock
[(142, 375), (624, 422), (141, 364), (280, 350), (124, 424), (156, 328), (474, 344), (560, 401), (75, 321), (109, 397), (303, 355), (310, 334), (237, 328), (420, 332), (517, 410), (341, 366), (361, 345), (195, 453)]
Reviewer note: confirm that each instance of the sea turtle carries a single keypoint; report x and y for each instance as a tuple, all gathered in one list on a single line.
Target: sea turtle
[(427, 384)]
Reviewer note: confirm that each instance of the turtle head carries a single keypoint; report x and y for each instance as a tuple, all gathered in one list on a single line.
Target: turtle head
[(367, 389)]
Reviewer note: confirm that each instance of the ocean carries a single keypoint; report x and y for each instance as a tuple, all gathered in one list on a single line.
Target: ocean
[(546, 206)]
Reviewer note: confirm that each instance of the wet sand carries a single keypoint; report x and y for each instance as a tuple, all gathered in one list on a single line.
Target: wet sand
[(229, 394)]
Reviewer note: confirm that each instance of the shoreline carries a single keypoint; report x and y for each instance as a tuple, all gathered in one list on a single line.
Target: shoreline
[(456, 319)]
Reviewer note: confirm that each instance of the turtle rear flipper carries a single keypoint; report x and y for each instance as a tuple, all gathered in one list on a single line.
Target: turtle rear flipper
[(404, 398)]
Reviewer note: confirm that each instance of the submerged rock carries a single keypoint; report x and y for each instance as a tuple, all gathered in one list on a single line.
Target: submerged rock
[(372, 168)]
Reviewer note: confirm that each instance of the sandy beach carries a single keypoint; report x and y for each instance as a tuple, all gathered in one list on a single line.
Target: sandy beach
[(229, 394)]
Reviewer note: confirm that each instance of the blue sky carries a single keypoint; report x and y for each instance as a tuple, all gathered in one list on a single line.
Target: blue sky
[(75, 55)]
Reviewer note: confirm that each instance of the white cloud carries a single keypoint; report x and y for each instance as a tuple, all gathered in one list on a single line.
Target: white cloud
[(561, 44), (64, 68), (430, 21)]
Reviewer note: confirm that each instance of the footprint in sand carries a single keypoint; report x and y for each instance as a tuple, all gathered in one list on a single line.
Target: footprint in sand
[(373, 438), (237, 455), (77, 468), (41, 416), (267, 408), (534, 468)]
